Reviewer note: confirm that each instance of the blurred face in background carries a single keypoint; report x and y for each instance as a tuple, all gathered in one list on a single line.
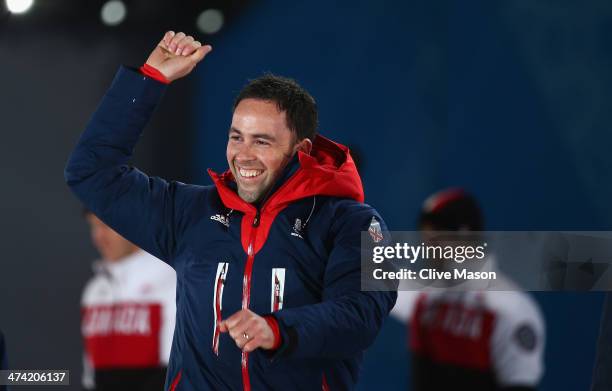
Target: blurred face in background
[(111, 246)]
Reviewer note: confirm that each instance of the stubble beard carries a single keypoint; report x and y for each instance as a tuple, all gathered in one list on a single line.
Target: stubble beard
[(257, 194), (249, 196)]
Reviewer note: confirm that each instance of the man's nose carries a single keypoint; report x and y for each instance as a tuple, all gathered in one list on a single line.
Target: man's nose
[(245, 153)]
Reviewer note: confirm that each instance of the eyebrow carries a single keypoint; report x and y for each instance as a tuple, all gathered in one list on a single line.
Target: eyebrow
[(256, 135)]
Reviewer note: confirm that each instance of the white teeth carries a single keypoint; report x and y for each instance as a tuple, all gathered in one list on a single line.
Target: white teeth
[(249, 173)]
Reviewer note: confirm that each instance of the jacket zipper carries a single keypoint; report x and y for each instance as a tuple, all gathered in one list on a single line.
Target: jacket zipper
[(246, 279), (218, 302), (246, 293)]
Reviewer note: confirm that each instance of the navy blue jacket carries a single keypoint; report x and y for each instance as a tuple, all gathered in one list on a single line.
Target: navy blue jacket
[(295, 256)]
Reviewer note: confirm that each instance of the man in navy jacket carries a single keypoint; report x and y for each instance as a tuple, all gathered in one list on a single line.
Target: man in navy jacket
[(267, 259)]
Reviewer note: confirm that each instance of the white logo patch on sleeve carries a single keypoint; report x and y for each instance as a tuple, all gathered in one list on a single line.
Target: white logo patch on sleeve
[(375, 230), (525, 337)]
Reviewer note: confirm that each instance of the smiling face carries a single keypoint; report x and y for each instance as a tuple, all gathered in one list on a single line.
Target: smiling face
[(259, 147)]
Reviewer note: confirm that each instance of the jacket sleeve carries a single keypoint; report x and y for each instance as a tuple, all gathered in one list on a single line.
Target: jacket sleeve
[(139, 207), (347, 320)]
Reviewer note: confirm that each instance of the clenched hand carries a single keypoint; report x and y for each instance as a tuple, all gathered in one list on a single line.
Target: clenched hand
[(249, 330), (177, 54)]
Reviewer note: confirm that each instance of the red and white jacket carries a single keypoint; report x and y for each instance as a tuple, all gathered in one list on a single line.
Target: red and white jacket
[(478, 340), (128, 315)]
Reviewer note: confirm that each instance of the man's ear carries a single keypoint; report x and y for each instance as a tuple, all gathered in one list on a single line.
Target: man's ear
[(304, 145)]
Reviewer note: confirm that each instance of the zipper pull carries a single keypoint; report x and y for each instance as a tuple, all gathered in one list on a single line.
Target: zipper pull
[(256, 219)]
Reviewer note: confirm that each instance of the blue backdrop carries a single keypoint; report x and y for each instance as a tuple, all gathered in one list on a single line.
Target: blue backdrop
[(510, 101)]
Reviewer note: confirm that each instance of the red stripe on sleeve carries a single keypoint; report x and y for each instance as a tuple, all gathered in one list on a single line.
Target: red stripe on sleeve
[(153, 73), (273, 323)]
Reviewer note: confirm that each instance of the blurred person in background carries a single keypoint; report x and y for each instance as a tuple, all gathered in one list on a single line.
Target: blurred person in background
[(470, 339), (128, 314), (268, 259)]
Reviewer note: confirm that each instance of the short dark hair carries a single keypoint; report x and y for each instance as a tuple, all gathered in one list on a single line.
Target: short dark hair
[(299, 106)]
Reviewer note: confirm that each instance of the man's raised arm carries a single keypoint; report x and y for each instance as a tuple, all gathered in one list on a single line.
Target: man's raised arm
[(141, 208)]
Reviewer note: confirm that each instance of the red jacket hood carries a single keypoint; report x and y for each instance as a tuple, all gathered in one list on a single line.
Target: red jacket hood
[(329, 170)]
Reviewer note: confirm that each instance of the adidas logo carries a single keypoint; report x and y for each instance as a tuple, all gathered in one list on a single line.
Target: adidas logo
[(220, 218)]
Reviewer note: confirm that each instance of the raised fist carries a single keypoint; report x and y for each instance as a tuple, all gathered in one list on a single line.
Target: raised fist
[(177, 54)]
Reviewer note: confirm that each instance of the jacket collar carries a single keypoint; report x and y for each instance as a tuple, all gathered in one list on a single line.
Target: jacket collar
[(329, 170)]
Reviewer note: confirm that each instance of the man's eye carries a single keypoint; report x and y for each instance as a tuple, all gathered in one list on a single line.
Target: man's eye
[(235, 138), (262, 142)]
